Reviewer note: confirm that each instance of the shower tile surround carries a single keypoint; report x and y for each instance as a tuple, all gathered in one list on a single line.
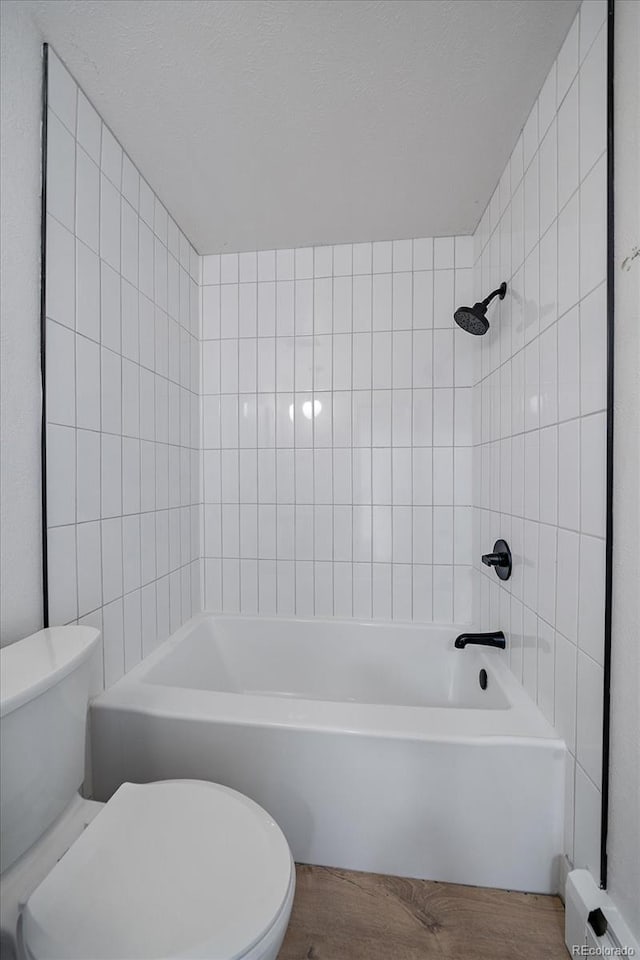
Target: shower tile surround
[(540, 412), (122, 374), (337, 431), (277, 432), (296, 431)]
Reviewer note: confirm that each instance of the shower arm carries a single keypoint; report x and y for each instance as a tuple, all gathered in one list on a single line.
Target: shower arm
[(500, 292)]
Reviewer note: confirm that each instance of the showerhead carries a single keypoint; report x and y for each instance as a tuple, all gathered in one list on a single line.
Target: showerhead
[(474, 319)]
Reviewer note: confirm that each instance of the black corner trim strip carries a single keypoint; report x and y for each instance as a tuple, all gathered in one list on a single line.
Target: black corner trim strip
[(606, 712), (43, 332)]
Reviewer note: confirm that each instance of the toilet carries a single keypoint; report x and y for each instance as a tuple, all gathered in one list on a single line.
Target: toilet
[(174, 869)]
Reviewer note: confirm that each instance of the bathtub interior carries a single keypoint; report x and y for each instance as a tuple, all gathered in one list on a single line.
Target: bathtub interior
[(332, 662)]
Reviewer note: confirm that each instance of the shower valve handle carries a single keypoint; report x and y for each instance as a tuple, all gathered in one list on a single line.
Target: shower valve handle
[(495, 559), (500, 559)]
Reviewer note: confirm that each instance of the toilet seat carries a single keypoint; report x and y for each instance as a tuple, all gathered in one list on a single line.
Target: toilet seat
[(176, 869)]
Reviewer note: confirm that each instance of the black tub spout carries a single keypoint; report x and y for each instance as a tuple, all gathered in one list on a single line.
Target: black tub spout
[(495, 639)]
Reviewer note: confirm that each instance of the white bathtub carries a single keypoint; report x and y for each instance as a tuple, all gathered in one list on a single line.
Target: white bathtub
[(372, 745)]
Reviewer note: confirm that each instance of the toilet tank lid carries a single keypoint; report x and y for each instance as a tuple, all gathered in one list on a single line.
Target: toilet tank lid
[(30, 666)]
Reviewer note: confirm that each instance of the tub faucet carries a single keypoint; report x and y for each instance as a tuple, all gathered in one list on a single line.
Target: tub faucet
[(495, 639)]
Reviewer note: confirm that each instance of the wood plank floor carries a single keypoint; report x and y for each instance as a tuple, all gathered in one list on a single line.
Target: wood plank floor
[(342, 915)]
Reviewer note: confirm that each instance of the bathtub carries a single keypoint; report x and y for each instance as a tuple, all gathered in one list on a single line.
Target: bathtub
[(372, 745)]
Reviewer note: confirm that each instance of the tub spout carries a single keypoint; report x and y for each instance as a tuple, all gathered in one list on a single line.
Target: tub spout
[(495, 639)]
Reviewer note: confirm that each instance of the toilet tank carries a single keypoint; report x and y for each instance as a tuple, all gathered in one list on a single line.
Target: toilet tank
[(45, 682)]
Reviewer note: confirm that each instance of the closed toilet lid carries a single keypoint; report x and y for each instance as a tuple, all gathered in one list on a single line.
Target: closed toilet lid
[(176, 869)]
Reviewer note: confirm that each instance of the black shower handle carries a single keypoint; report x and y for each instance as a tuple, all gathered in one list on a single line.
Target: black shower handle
[(495, 559), (500, 559)]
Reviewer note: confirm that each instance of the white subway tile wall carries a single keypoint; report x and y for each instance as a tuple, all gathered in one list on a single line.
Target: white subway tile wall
[(122, 368), (540, 428), (337, 431)]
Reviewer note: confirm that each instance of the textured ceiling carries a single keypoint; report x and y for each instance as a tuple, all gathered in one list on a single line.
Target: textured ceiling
[(276, 123)]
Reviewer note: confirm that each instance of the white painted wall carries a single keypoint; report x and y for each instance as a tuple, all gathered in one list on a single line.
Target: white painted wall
[(624, 813), (20, 573)]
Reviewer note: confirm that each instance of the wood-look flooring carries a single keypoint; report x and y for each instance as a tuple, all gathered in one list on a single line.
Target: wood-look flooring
[(342, 915)]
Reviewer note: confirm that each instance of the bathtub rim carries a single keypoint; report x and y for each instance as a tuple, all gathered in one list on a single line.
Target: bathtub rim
[(522, 722)]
